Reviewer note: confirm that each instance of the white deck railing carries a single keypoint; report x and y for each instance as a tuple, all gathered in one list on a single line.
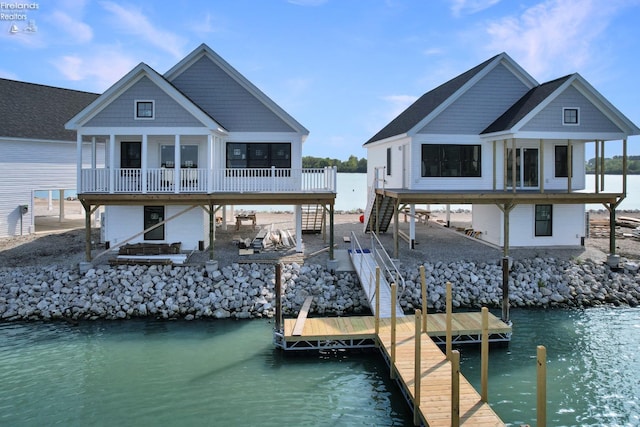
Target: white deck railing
[(230, 180)]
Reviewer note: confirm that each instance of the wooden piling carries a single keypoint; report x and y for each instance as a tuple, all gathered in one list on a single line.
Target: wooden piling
[(542, 386), (449, 311), (393, 330), (417, 375), (377, 316), (455, 388), (484, 357), (505, 289), (423, 285), (278, 296)]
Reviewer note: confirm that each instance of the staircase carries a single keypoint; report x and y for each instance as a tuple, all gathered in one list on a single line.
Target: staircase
[(379, 214), (313, 219)]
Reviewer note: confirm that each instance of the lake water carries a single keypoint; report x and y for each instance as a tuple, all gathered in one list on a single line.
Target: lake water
[(227, 373)]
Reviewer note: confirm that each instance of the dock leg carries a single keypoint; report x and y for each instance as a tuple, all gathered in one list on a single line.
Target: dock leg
[(278, 297), (505, 290), (455, 388)]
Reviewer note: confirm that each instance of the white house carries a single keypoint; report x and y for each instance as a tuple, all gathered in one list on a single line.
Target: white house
[(36, 152), (180, 146), (513, 148)]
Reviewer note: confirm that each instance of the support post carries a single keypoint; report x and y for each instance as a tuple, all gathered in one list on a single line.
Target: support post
[(514, 175), (412, 226), (417, 371), (455, 388), (393, 331), (624, 167), (396, 229), (505, 289), (87, 230), (484, 357), (612, 227), (61, 205), (597, 166), (278, 296), (212, 230), (423, 286), (542, 386), (569, 165), (541, 181), (377, 316), (331, 232), (449, 319), (495, 168), (602, 170)]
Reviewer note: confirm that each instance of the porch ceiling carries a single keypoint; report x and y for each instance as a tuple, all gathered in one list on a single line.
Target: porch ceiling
[(498, 197), (206, 199)]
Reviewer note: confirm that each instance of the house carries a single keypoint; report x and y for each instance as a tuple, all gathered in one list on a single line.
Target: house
[(513, 148), (181, 146), (36, 152)]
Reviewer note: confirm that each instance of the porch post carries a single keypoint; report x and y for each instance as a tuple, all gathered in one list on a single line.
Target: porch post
[(624, 167), (602, 170), (505, 170), (541, 163), (513, 165), (61, 205), (597, 166), (143, 171), (569, 165), (94, 160), (495, 169), (78, 163), (112, 156), (176, 164), (210, 164)]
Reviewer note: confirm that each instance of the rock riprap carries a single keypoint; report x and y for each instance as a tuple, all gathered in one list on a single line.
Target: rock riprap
[(248, 290)]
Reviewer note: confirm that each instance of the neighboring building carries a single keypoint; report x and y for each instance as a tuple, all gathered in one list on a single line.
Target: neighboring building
[(36, 152), (514, 149), (180, 146)]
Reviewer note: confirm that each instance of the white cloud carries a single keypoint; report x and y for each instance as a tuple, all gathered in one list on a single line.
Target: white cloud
[(469, 7), (8, 75), (398, 103), (555, 36), (133, 21), (103, 67), (78, 30)]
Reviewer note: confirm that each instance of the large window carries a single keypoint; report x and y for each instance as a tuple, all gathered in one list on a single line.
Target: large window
[(152, 216), (258, 155), (451, 160), (544, 220), (131, 155), (561, 161), (188, 156)]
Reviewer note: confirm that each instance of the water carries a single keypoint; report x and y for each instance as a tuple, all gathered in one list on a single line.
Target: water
[(228, 373)]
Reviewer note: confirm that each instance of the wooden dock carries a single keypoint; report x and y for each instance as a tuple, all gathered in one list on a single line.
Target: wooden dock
[(436, 379)]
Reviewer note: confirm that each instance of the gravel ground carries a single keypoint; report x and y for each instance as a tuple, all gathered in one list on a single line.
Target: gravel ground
[(434, 243)]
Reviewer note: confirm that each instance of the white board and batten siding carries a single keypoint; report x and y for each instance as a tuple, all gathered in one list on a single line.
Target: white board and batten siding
[(568, 225), (123, 222), (27, 166)]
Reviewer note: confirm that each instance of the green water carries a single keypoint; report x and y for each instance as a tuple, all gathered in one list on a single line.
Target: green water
[(227, 373)]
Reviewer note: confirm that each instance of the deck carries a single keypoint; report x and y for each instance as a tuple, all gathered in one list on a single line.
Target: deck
[(435, 390)]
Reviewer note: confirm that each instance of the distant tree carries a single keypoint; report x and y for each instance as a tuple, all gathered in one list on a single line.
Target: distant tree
[(351, 165)]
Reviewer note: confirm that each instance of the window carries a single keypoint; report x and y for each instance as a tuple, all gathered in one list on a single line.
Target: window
[(131, 155), (144, 110), (544, 216), (389, 161), (561, 159), (258, 155), (570, 116), (188, 156), (152, 216), (451, 160)]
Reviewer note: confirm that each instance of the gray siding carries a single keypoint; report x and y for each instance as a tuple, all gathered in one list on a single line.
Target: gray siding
[(480, 105), (550, 118), (120, 112), (226, 101)]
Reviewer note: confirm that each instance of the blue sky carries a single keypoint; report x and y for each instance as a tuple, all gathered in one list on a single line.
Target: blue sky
[(343, 68)]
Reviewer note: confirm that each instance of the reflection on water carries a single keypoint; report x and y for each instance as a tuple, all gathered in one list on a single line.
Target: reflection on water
[(228, 373)]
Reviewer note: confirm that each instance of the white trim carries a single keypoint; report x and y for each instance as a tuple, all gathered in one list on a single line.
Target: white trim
[(577, 110), (573, 136), (128, 130), (140, 101)]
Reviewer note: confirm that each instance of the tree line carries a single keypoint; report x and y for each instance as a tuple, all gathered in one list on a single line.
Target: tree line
[(351, 165), (613, 166)]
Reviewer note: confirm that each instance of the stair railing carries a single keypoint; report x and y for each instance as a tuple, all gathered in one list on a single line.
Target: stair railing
[(378, 182), (387, 265), (366, 265)]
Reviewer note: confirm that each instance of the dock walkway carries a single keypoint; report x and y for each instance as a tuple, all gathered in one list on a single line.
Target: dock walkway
[(435, 390)]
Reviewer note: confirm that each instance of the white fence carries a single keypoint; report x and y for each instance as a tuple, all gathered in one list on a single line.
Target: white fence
[(230, 180)]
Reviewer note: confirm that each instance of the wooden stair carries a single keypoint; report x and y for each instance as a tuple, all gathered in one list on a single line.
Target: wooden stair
[(380, 222), (313, 219)]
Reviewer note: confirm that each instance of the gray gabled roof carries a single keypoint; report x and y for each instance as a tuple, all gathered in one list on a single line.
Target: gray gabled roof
[(525, 105), (426, 104), (33, 111)]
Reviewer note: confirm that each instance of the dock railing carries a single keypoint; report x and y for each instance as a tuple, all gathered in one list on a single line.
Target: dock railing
[(379, 258)]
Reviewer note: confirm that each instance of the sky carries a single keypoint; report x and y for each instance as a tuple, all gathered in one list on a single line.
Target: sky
[(342, 68)]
